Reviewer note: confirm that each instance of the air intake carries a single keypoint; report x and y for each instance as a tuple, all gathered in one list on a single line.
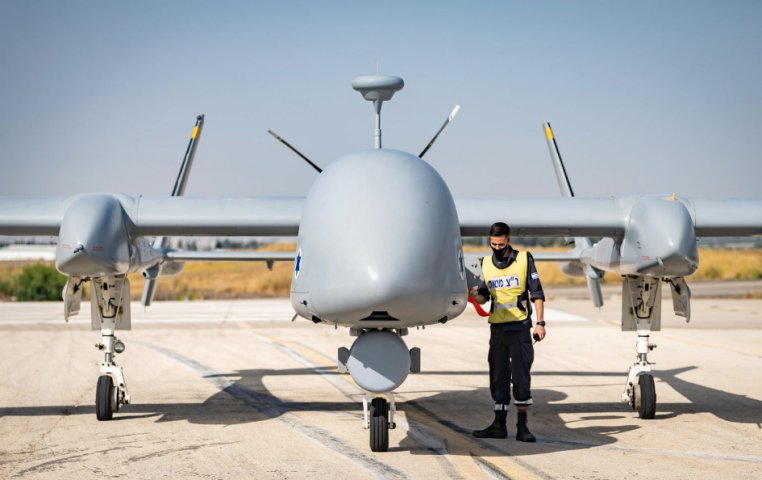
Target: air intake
[(380, 315)]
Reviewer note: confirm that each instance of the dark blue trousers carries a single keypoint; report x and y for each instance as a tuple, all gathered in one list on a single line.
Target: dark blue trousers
[(510, 360)]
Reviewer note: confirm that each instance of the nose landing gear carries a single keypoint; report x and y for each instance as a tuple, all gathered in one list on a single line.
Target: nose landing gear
[(110, 300), (111, 391), (641, 308), (379, 418)]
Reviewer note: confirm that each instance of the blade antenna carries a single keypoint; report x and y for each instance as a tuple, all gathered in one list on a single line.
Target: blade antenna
[(284, 142), (444, 125), (151, 274), (582, 244)]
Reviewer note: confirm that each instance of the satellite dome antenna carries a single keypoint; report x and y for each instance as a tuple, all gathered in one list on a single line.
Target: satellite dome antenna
[(377, 89)]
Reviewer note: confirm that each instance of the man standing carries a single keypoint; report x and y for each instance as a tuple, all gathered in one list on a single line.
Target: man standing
[(511, 280)]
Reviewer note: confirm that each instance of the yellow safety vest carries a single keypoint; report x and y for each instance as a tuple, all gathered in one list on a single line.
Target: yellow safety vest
[(505, 286)]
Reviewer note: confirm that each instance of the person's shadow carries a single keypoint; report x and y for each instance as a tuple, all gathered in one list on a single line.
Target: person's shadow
[(428, 419), (243, 397), (429, 416)]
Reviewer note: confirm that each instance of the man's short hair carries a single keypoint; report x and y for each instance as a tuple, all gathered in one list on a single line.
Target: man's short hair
[(499, 229)]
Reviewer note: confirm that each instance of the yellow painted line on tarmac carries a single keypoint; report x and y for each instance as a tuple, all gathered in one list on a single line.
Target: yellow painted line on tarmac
[(480, 463), (465, 466), (480, 456)]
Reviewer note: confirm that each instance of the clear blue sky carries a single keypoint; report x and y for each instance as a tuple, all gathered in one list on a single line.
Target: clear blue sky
[(645, 97)]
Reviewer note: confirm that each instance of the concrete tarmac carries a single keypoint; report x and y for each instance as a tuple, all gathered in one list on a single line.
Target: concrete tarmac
[(234, 389)]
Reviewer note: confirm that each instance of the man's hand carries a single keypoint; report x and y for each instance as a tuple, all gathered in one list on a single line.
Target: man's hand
[(473, 293), (539, 332)]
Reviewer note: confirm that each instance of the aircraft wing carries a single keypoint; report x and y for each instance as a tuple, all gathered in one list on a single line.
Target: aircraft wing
[(601, 217), (14, 253), (274, 216), (169, 216), (227, 255), (734, 218), (31, 215), (552, 216), (568, 256), (177, 216)]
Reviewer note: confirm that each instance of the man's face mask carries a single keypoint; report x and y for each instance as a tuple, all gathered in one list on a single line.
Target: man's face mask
[(500, 246), (500, 252)]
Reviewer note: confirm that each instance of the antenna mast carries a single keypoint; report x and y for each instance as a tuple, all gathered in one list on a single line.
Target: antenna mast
[(377, 89)]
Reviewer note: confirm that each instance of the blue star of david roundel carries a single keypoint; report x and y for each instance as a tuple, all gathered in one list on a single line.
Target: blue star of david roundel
[(298, 263)]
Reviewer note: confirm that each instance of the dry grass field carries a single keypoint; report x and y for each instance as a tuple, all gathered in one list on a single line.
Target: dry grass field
[(714, 264), (224, 280)]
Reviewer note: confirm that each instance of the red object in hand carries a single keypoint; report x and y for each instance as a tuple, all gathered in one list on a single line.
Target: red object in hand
[(479, 310)]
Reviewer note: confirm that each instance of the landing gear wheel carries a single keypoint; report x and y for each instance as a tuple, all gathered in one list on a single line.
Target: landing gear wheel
[(645, 397), (379, 425), (105, 398)]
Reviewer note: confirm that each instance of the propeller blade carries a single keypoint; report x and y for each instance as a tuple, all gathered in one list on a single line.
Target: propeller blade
[(190, 154), (581, 244), (596, 295), (148, 291), (177, 191), (558, 164)]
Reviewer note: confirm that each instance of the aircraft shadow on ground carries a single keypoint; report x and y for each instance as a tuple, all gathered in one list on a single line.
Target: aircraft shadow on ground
[(244, 398)]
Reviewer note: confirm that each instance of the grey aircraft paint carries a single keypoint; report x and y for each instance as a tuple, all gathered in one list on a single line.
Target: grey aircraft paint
[(379, 233), (378, 250)]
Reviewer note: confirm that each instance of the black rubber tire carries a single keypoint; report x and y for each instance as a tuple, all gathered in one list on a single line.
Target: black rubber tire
[(379, 425), (647, 406), (103, 395)]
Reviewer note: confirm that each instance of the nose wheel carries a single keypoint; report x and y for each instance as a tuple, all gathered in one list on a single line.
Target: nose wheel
[(645, 397), (379, 425), (378, 414), (106, 398), (111, 390)]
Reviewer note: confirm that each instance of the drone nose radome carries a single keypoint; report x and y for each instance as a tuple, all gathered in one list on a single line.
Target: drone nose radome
[(393, 295), (379, 238)]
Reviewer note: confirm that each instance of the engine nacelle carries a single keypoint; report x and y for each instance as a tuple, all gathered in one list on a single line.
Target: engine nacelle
[(94, 239), (660, 239)]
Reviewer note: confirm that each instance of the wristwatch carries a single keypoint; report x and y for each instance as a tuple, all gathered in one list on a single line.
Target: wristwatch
[(541, 323)]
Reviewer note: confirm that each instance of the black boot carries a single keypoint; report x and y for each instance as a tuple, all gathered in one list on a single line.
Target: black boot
[(522, 432), (496, 430)]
